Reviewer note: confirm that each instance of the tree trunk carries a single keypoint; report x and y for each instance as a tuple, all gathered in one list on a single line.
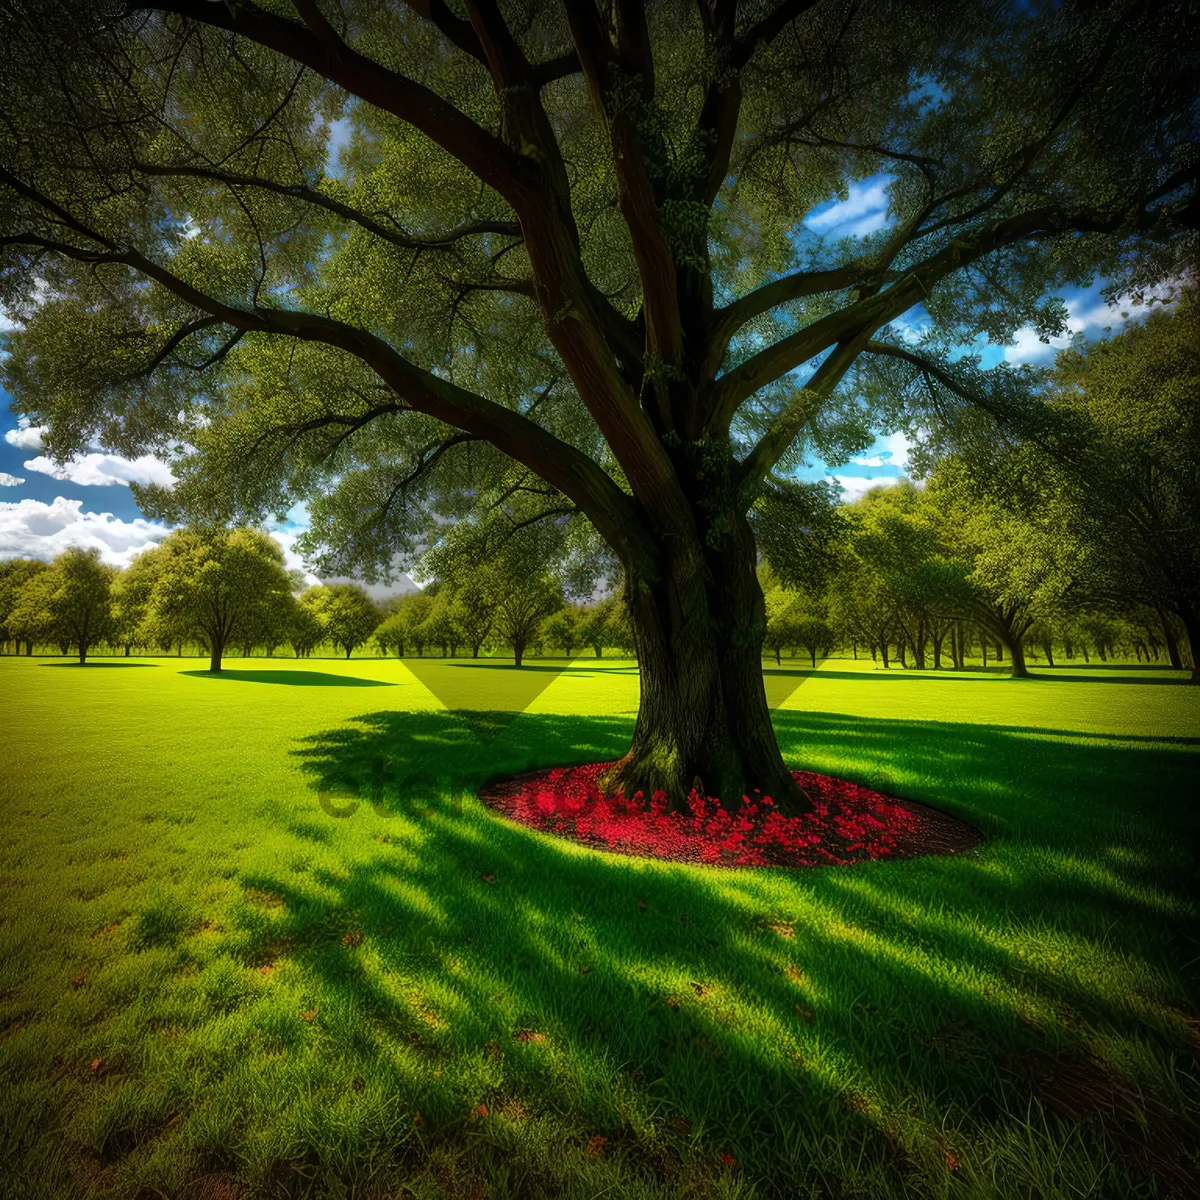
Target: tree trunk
[(883, 653), (214, 659), (82, 653), (1191, 625), (348, 650), (1017, 653), (854, 648), (28, 648), (813, 655), (1048, 650), (126, 651), (1172, 644), (1085, 653), (703, 721), (518, 652), (999, 651), (937, 650)]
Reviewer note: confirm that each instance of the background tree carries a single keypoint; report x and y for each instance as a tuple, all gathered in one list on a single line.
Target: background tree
[(1130, 476), (596, 626), (781, 609), (347, 614), (810, 626), (1020, 570), (564, 629), (32, 617), (131, 597), (218, 582), (563, 264), (15, 573), (523, 603), (475, 614), (305, 631), (74, 599)]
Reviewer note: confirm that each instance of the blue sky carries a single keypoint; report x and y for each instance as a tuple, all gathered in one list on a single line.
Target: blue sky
[(44, 508)]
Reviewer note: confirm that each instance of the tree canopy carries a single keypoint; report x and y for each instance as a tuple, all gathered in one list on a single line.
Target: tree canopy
[(561, 266)]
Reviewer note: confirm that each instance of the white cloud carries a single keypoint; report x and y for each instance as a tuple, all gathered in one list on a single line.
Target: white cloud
[(34, 529), (1086, 314), (854, 488), (864, 211), (25, 436), (888, 451), (7, 480), (102, 470), (291, 558)]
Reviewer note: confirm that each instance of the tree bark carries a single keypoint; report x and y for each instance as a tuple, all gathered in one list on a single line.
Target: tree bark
[(1172, 643), (518, 653), (214, 658), (1191, 625), (703, 721), (1016, 653)]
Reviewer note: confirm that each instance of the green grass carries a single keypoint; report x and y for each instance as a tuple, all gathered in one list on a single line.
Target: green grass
[(274, 992)]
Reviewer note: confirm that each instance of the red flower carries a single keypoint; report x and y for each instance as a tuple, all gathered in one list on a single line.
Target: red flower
[(848, 823)]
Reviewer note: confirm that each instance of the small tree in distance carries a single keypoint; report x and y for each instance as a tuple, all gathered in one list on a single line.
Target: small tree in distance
[(523, 605), (218, 582), (347, 614), (15, 574), (72, 601)]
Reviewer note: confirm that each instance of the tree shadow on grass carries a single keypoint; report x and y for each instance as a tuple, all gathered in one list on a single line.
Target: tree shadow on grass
[(913, 675), (290, 678), (86, 665), (796, 1019)]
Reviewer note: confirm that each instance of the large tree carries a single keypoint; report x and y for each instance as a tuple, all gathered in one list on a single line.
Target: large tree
[(561, 265)]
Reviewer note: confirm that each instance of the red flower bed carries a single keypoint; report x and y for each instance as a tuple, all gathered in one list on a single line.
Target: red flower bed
[(848, 823)]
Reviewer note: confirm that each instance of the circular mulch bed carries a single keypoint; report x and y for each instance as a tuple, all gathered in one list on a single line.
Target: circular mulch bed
[(848, 824)]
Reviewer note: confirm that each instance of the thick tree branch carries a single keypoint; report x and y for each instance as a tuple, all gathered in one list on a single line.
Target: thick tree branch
[(787, 424), (479, 151), (767, 29), (556, 68), (874, 311), (453, 29), (638, 202), (734, 315)]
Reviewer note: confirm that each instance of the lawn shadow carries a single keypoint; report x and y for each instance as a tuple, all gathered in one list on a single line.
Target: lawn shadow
[(682, 984), (98, 664), (290, 678)]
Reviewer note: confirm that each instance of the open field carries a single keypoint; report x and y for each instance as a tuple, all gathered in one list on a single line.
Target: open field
[(258, 938)]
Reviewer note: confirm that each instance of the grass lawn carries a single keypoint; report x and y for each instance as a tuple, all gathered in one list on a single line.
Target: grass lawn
[(258, 937)]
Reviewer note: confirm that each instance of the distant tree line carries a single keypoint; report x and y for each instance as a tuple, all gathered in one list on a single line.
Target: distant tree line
[(227, 589)]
